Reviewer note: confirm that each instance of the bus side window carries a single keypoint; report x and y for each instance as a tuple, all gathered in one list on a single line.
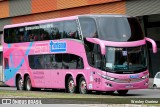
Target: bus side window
[(7, 38), (66, 60), (88, 27), (71, 30), (31, 61), (76, 62), (57, 30), (71, 61), (47, 62), (20, 34), (36, 61), (58, 59), (89, 51), (53, 61), (97, 56)]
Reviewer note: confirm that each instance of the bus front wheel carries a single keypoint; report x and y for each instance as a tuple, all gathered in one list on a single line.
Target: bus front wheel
[(122, 92), (83, 86)]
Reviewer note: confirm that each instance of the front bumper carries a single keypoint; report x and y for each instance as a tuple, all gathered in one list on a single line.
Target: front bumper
[(113, 86)]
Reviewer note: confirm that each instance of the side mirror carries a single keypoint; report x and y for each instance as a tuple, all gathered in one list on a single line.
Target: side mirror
[(154, 45)]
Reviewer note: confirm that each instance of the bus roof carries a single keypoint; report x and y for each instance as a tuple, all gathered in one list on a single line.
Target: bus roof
[(62, 18), (40, 22), (106, 15)]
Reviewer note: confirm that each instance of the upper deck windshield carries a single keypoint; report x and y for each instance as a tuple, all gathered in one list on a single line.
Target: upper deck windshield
[(118, 29)]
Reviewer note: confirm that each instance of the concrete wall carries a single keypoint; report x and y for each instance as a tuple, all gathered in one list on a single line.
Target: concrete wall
[(142, 7)]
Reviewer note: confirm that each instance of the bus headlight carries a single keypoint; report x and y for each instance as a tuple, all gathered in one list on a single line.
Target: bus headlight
[(106, 77), (145, 76)]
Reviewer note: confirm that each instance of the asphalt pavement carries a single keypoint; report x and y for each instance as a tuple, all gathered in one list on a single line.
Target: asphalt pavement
[(139, 93)]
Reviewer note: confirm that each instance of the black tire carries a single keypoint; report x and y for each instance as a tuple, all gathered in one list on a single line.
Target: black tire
[(154, 86), (98, 92), (19, 83), (83, 86), (122, 92), (109, 92), (71, 88), (28, 84), (36, 89)]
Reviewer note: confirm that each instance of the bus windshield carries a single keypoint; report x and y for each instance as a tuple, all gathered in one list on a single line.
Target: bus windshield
[(118, 29), (125, 59)]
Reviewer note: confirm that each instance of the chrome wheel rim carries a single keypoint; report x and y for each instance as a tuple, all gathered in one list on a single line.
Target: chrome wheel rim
[(29, 84), (83, 87), (20, 84), (71, 86)]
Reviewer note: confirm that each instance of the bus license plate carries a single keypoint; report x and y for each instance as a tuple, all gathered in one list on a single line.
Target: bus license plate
[(129, 86)]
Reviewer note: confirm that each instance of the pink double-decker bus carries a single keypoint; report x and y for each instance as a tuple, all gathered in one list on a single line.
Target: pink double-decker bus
[(78, 53)]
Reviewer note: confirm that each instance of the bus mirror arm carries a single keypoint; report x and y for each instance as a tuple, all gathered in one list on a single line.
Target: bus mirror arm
[(154, 45), (98, 41)]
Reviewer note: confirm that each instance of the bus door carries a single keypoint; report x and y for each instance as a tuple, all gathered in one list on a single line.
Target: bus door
[(95, 60), (96, 73)]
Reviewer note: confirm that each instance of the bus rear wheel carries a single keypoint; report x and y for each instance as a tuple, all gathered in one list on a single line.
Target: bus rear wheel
[(27, 84), (83, 86), (122, 92), (19, 83), (71, 88)]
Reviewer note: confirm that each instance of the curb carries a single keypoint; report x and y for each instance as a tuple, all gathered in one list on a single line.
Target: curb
[(154, 88), (4, 86)]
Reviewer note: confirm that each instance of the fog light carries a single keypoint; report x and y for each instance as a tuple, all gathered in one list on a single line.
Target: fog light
[(145, 76), (109, 85)]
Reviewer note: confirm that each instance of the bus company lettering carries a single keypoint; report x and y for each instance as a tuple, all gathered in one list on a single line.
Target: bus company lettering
[(38, 74), (39, 27), (58, 46), (41, 48)]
